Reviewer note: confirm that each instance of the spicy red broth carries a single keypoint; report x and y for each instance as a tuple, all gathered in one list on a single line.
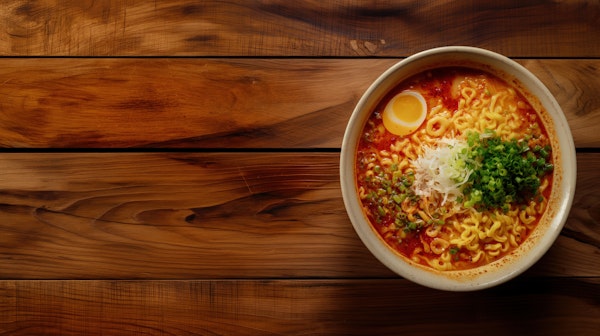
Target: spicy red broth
[(458, 191)]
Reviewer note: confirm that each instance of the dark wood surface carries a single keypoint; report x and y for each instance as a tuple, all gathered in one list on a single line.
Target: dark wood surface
[(217, 102), (172, 167)]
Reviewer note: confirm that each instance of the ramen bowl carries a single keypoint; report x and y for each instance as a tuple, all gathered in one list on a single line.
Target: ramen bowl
[(517, 235)]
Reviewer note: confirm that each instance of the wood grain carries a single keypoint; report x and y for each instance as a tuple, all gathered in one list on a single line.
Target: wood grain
[(308, 28), (212, 215), (218, 103), (219, 211), (346, 307)]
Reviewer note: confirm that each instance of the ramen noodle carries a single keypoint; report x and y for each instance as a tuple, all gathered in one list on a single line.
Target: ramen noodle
[(428, 185)]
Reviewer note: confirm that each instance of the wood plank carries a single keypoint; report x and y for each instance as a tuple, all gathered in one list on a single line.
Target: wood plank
[(296, 28), (212, 215), (216, 103), (556, 306)]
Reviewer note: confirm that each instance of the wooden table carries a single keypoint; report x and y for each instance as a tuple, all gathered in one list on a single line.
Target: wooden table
[(171, 167)]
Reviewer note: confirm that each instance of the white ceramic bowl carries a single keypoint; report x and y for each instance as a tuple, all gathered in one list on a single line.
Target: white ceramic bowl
[(560, 200)]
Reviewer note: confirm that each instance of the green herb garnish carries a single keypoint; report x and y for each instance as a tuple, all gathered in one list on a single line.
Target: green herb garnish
[(504, 172)]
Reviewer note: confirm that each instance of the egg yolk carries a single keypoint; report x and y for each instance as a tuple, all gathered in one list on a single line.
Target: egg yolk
[(404, 113)]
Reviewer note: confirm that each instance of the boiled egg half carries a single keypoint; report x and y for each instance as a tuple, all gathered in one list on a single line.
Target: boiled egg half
[(404, 113)]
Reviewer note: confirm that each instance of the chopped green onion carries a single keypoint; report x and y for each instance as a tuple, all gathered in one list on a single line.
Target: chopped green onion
[(503, 171)]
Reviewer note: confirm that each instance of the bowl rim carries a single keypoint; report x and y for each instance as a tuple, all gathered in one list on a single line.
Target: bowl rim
[(426, 60)]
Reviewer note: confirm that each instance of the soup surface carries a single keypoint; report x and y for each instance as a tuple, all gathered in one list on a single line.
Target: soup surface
[(454, 168)]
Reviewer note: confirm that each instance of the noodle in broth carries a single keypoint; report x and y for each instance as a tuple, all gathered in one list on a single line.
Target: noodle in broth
[(432, 225)]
